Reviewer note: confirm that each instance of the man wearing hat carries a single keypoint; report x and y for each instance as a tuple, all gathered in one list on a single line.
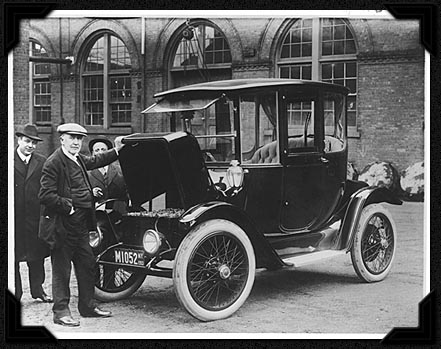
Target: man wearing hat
[(28, 247), (108, 181), (67, 217)]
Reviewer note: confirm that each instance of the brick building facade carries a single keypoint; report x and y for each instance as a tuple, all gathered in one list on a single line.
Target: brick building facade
[(119, 63)]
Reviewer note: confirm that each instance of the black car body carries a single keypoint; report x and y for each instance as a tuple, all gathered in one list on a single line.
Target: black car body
[(252, 176)]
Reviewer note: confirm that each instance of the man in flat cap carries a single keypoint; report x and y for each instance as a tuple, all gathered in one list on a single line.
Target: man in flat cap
[(67, 217), (28, 247)]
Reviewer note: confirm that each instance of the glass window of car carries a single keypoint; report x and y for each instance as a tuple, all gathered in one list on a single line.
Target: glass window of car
[(212, 125), (300, 122), (258, 122), (334, 116)]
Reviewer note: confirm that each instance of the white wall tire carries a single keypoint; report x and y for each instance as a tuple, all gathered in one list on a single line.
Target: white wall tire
[(214, 270), (375, 242)]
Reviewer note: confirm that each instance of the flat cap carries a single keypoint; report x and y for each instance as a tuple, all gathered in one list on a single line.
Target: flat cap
[(72, 128)]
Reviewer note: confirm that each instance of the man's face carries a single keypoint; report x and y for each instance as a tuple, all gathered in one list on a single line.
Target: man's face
[(26, 145), (99, 147), (72, 143)]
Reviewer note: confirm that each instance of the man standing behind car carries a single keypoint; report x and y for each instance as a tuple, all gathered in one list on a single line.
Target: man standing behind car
[(28, 247), (67, 217), (108, 181)]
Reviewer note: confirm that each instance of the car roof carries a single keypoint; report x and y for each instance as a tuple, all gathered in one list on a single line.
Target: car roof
[(244, 84)]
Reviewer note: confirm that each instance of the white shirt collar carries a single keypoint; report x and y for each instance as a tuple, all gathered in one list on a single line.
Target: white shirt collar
[(69, 155), (104, 169), (23, 157)]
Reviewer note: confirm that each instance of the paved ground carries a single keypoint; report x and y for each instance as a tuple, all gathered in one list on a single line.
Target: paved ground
[(326, 298)]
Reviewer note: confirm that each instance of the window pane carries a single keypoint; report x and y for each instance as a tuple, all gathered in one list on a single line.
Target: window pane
[(326, 71), (352, 85), (121, 114), (284, 72), (326, 48), (306, 50), (207, 42), (93, 100), (95, 60), (285, 51), (299, 39), (119, 55), (351, 70), (120, 89), (306, 72)]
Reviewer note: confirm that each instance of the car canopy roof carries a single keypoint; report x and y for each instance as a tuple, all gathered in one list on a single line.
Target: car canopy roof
[(248, 84)]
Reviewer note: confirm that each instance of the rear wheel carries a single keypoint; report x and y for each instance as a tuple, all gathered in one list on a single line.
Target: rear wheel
[(373, 250), (214, 270), (114, 282)]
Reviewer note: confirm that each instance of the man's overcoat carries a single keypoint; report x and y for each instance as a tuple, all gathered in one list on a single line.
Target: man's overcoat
[(113, 186), (28, 247), (55, 193)]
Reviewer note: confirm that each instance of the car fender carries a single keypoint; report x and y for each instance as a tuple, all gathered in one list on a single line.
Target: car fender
[(264, 253), (360, 199)]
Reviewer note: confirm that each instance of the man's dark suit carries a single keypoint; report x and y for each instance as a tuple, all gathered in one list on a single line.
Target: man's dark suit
[(28, 247), (113, 186), (66, 234)]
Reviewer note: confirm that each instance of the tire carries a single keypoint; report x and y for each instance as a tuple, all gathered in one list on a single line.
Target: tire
[(375, 241), (113, 283), (214, 270)]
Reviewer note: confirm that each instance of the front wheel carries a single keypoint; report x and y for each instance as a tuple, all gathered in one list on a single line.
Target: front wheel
[(374, 246), (214, 270)]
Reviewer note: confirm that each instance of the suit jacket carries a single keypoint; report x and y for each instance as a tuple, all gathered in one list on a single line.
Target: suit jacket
[(28, 247), (55, 193), (113, 186)]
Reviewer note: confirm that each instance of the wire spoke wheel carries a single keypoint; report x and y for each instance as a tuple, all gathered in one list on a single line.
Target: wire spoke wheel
[(218, 271), (115, 282), (214, 270), (377, 244), (374, 244)]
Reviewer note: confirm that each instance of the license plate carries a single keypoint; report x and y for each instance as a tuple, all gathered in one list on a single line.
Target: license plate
[(129, 257)]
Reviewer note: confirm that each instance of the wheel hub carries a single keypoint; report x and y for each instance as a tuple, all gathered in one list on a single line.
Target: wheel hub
[(224, 272)]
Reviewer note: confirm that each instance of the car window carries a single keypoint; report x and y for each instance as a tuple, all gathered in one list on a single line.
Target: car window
[(334, 123), (259, 129), (214, 129), (300, 122)]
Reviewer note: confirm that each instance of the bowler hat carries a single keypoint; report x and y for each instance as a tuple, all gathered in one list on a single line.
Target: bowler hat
[(29, 131), (104, 140), (73, 129)]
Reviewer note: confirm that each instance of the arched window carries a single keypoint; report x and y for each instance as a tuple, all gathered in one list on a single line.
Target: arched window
[(40, 85), (202, 54), (106, 83), (321, 49)]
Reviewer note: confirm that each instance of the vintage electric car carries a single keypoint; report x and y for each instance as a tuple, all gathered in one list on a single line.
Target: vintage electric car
[(253, 175)]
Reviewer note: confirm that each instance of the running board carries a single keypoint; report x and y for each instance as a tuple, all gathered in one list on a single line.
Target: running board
[(298, 261)]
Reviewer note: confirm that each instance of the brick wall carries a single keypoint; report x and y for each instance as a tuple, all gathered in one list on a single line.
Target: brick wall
[(390, 113)]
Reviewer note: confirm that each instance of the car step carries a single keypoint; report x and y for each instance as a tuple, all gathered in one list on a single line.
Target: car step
[(298, 261)]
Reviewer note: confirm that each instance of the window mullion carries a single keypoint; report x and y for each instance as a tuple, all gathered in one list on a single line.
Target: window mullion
[(315, 74), (106, 85)]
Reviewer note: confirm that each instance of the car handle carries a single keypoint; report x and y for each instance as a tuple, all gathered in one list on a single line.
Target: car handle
[(324, 160)]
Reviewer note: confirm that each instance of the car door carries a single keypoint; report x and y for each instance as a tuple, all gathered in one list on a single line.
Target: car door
[(311, 177)]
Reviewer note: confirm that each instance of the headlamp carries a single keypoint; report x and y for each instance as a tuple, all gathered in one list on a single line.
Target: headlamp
[(151, 241)]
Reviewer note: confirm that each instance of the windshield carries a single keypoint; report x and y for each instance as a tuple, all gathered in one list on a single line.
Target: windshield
[(179, 105), (210, 120)]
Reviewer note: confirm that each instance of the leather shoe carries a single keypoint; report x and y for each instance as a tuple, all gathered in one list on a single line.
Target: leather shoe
[(44, 298), (97, 312), (66, 321)]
